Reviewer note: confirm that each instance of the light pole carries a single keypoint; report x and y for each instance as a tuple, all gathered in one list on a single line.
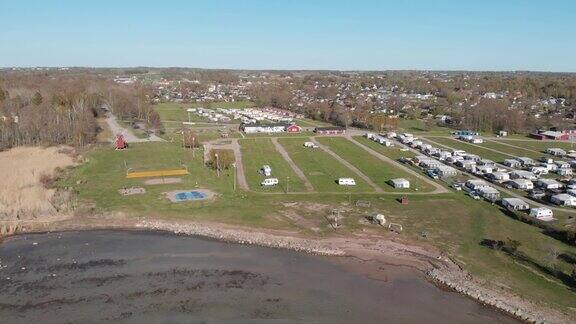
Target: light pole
[(287, 183), (217, 165), (234, 165)]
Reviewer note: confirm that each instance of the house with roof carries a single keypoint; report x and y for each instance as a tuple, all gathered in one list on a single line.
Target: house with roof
[(489, 193), (400, 183), (330, 130)]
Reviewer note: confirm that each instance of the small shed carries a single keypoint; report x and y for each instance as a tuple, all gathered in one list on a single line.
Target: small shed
[(120, 142), (400, 183)]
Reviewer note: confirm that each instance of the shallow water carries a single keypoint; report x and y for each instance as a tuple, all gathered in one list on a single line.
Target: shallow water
[(155, 277)]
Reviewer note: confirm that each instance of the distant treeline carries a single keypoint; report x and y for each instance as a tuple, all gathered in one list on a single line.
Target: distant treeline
[(53, 109)]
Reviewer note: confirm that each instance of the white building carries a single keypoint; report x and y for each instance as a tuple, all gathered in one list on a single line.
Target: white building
[(521, 174), (445, 171), (400, 183)]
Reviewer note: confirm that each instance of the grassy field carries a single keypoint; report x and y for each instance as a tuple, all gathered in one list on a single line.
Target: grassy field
[(539, 146), (518, 150), (307, 122), (460, 145), (320, 168), (379, 171), (418, 126), (105, 173), (453, 222), (257, 152)]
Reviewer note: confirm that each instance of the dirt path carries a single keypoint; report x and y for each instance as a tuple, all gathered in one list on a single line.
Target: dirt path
[(116, 129), (439, 187), (293, 165), (230, 144), (349, 166)]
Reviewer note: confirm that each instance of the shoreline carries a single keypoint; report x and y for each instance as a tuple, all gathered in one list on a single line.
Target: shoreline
[(436, 268)]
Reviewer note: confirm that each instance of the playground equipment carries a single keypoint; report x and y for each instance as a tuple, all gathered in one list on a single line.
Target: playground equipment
[(131, 174)]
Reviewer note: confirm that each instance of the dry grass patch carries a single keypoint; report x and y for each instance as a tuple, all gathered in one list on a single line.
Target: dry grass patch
[(28, 174)]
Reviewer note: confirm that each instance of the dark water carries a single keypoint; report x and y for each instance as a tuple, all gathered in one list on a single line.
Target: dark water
[(152, 277)]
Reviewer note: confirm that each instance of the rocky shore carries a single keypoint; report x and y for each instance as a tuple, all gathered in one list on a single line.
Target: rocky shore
[(439, 269), (242, 237), (487, 294)]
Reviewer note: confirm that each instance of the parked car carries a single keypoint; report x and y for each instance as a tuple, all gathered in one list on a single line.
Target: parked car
[(457, 186), (432, 174), (474, 195)]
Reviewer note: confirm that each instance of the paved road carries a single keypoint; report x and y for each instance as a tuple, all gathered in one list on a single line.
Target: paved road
[(439, 187), (293, 165), (117, 129), (349, 166)]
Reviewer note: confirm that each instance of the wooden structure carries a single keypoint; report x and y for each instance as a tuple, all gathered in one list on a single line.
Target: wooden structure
[(120, 142)]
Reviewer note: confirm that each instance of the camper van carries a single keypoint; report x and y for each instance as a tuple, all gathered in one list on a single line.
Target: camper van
[(266, 170), (310, 144), (269, 182), (346, 182)]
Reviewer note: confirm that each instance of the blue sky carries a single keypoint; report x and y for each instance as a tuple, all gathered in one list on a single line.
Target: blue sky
[(274, 34)]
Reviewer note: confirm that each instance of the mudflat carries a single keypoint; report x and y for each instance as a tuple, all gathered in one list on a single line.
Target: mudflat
[(150, 276)]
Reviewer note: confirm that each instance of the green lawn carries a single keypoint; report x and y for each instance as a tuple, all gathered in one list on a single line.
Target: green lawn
[(321, 168), (453, 222), (460, 145), (257, 152), (518, 150), (419, 126), (540, 146), (379, 171), (105, 172)]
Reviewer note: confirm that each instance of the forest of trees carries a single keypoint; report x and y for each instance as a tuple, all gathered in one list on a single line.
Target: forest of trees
[(51, 109)]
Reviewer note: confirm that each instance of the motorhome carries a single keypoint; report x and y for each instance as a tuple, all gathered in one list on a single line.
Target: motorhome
[(346, 182)]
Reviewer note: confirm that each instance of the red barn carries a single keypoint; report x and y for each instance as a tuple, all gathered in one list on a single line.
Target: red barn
[(120, 143), (293, 128)]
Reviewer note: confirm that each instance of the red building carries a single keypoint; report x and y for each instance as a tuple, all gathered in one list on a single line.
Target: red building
[(330, 130), (293, 128), (120, 143), (564, 135)]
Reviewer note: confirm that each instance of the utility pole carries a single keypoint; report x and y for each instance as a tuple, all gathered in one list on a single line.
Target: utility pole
[(234, 165), (193, 146), (217, 166)]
